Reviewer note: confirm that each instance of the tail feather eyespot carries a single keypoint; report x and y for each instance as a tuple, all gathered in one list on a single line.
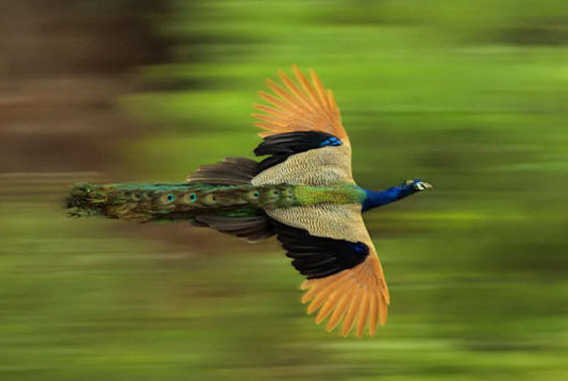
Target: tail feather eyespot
[(189, 197)]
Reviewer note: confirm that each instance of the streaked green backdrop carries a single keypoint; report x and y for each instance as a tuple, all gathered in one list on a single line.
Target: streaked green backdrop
[(469, 95)]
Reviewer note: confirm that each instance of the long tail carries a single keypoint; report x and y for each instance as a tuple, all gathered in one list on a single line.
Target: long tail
[(157, 202), (219, 196)]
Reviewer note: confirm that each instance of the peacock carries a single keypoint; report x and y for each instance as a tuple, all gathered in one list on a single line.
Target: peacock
[(302, 191)]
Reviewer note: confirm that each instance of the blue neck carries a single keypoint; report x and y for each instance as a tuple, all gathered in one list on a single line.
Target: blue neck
[(378, 198)]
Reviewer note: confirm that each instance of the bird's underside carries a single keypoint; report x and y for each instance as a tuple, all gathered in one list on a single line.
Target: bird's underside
[(302, 191)]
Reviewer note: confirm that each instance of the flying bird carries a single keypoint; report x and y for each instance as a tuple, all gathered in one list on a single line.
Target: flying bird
[(302, 191)]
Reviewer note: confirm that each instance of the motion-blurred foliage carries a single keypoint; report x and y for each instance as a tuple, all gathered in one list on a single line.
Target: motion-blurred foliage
[(470, 95)]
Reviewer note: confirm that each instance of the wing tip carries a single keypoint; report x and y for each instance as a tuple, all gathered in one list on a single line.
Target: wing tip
[(347, 305), (294, 99)]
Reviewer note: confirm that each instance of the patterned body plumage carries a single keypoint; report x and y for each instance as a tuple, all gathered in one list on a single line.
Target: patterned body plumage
[(303, 192)]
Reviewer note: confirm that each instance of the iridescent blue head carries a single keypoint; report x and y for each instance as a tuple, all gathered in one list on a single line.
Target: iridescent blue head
[(379, 198)]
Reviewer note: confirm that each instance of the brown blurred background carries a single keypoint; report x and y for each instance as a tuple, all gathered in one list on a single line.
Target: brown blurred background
[(63, 65)]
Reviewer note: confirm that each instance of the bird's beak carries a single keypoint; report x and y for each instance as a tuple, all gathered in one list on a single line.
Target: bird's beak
[(422, 186)]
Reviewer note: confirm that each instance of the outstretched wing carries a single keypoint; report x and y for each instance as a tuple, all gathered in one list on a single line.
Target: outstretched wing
[(303, 133), (329, 243), (301, 106)]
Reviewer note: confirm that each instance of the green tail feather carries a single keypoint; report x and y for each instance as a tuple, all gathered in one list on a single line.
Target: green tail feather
[(219, 196), (154, 202)]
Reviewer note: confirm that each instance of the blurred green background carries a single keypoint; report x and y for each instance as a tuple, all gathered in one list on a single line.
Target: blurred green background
[(469, 95)]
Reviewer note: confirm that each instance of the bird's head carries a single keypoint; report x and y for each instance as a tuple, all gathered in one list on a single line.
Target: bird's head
[(418, 185)]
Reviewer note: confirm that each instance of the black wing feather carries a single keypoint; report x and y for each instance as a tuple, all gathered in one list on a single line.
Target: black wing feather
[(282, 146), (318, 257)]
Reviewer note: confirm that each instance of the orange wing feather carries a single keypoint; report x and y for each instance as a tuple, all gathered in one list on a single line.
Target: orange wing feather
[(301, 106), (359, 295)]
